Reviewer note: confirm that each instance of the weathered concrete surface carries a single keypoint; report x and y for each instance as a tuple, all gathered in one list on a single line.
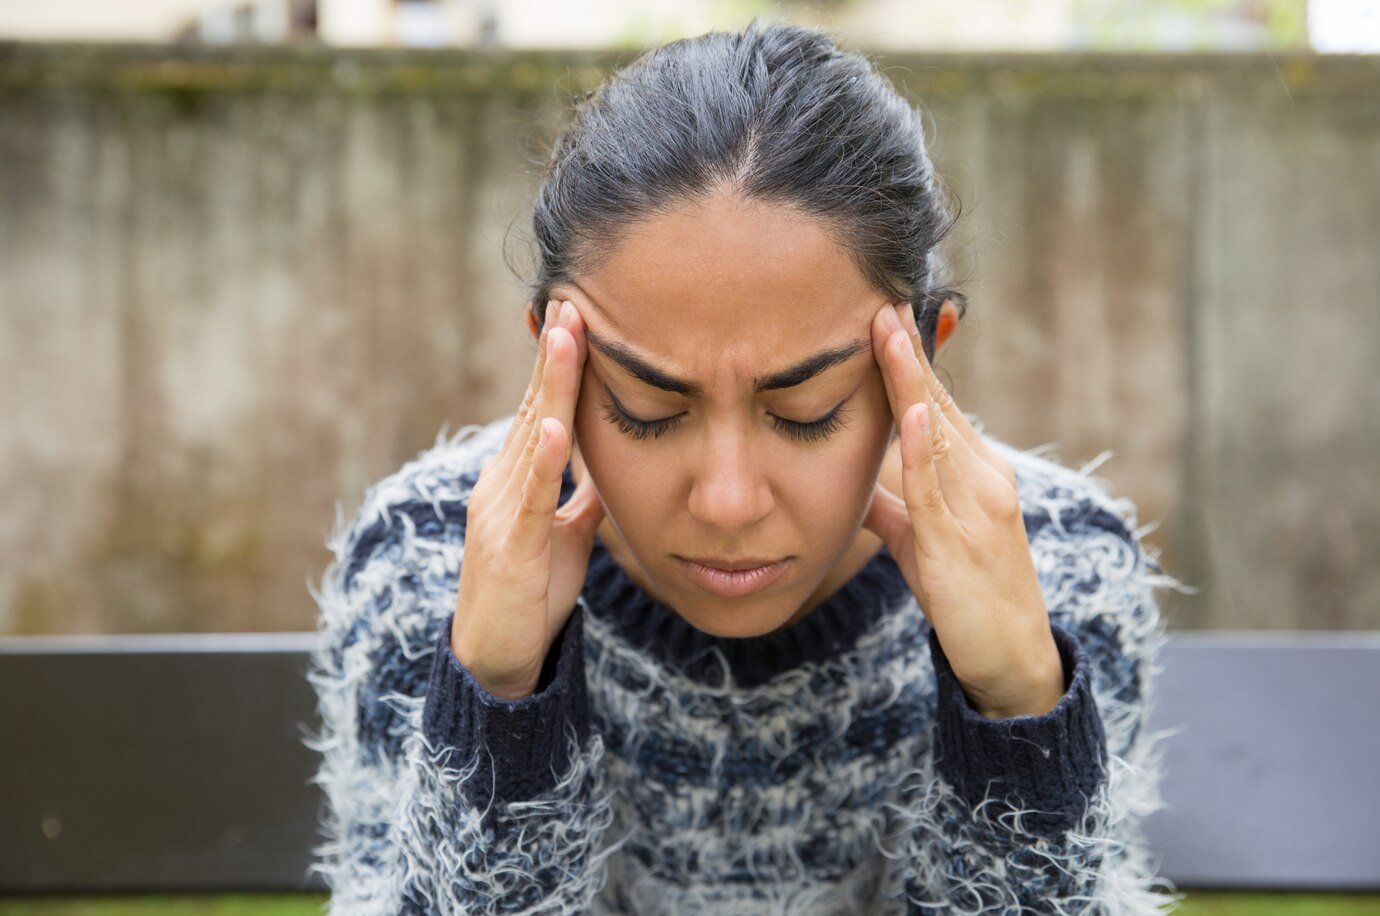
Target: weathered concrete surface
[(238, 286)]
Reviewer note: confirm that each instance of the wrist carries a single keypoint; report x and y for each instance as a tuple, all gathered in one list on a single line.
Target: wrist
[(1035, 693), (509, 688)]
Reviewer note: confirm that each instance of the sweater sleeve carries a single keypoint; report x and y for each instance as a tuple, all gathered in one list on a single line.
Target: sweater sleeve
[(1043, 813), (439, 796), (525, 743)]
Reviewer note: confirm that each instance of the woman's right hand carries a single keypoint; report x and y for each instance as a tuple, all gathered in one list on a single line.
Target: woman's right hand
[(524, 563)]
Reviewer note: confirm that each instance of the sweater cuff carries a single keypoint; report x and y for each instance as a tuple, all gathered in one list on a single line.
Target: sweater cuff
[(1052, 763), (523, 746)]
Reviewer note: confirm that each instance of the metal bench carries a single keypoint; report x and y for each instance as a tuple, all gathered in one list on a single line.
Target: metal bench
[(176, 762)]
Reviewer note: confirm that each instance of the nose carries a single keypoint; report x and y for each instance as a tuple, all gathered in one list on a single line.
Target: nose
[(732, 490)]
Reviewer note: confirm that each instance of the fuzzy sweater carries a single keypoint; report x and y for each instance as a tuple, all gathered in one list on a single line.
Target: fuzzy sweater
[(834, 766)]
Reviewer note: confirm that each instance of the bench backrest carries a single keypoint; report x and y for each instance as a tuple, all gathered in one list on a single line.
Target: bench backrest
[(176, 762)]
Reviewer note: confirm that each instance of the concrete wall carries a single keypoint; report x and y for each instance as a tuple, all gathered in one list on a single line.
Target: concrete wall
[(236, 287)]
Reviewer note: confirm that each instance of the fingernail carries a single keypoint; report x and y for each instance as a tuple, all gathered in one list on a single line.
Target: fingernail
[(890, 320), (567, 315), (550, 313)]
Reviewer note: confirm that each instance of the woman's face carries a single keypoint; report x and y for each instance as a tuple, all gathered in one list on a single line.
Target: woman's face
[(716, 300)]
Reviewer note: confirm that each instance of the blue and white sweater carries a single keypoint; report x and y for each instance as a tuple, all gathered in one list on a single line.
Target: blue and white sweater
[(835, 766)]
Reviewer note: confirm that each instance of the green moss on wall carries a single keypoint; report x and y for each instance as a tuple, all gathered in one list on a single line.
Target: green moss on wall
[(182, 72)]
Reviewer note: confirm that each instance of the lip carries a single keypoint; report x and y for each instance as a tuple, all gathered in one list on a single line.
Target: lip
[(733, 583), (731, 565)]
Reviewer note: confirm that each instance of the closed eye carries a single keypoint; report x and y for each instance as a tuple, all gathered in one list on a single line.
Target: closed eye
[(635, 428)]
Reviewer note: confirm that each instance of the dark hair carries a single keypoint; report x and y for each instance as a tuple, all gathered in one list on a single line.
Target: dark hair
[(777, 113)]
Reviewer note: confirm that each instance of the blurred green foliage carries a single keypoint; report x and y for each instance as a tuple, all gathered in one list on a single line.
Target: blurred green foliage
[(1139, 25)]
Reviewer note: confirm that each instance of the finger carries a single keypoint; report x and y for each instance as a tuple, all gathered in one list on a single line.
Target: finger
[(907, 316), (952, 453), (948, 406), (571, 371), (541, 491), (926, 504), (565, 350), (574, 322), (906, 320), (569, 324), (558, 385), (881, 335), (521, 428), (567, 318), (908, 381), (942, 399), (583, 512)]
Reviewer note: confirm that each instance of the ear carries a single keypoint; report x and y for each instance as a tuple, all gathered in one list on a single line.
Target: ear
[(945, 325)]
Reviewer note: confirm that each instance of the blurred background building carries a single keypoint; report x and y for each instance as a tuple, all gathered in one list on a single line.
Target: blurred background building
[(254, 256)]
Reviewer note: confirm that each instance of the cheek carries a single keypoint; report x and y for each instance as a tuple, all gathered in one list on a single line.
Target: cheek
[(847, 474)]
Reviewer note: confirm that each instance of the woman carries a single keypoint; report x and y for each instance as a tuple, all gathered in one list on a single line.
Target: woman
[(750, 618)]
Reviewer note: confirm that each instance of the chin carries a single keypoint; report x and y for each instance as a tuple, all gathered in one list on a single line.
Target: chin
[(720, 618)]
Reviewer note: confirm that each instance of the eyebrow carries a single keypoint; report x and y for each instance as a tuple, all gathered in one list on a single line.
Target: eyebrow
[(642, 368)]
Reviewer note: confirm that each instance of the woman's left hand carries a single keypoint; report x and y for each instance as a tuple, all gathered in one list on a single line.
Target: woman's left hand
[(959, 537)]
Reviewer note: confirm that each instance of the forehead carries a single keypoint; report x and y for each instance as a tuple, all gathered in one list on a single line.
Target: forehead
[(723, 287)]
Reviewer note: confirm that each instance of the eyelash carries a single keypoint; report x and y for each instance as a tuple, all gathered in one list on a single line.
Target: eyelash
[(804, 432)]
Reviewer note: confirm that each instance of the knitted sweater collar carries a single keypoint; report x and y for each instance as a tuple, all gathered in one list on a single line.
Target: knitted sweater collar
[(827, 631)]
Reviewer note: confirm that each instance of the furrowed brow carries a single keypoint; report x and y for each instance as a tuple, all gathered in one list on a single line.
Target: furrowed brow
[(642, 368), (811, 366)]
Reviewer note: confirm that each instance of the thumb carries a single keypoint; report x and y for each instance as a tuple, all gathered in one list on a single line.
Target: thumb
[(887, 518), (583, 512)]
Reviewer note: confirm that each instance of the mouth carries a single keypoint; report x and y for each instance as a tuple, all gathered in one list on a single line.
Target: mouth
[(736, 580)]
